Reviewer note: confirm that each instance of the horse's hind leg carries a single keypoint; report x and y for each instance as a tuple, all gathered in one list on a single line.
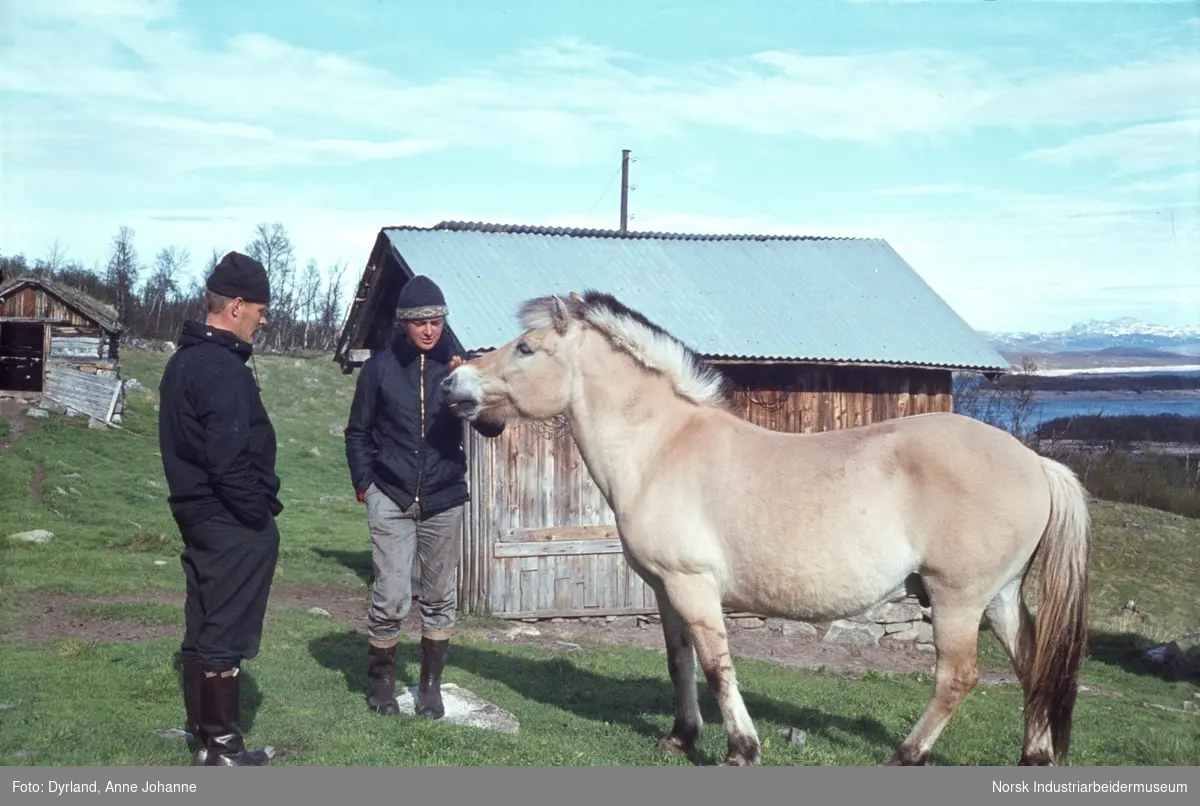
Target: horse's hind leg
[(956, 637), (681, 663), (695, 598), (1013, 624)]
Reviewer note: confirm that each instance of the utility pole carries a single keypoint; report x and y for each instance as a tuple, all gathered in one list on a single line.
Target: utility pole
[(624, 188)]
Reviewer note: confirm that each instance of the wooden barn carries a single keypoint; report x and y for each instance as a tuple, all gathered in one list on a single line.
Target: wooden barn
[(814, 333), (59, 347)]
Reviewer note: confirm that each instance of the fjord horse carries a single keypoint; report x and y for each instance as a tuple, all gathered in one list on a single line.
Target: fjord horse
[(713, 511)]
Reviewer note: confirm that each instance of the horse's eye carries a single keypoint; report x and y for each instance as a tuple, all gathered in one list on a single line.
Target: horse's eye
[(524, 349)]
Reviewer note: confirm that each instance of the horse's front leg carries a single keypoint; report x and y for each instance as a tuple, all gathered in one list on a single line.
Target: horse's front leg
[(681, 663), (695, 598)]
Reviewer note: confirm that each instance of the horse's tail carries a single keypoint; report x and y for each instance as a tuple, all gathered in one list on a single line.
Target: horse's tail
[(1061, 624)]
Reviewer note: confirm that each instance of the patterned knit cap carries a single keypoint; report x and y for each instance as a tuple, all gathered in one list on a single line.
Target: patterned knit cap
[(420, 299)]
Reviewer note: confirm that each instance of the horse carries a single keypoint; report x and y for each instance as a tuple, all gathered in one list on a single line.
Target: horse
[(713, 511)]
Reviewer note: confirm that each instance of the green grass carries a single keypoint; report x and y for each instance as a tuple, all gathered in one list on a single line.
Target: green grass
[(82, 702)]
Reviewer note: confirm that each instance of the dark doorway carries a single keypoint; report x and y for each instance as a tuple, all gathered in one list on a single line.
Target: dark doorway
[(21, 358)]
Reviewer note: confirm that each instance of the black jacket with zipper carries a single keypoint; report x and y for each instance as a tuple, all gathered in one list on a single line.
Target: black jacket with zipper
[(216, 439), (401, 437)]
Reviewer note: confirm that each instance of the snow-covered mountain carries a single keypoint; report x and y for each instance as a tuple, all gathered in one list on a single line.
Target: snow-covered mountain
[(1117, 336)]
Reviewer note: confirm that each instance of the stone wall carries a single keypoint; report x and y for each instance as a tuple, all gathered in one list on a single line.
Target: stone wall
[(898, 620)]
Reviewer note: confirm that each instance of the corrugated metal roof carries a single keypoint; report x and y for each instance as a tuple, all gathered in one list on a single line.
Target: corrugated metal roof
[(725, 296)]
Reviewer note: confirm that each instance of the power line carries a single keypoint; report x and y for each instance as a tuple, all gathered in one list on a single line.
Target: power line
[(604, 192), (655, 164)]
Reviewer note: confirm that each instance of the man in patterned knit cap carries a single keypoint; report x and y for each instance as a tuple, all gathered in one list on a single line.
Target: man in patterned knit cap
[(407, 464)]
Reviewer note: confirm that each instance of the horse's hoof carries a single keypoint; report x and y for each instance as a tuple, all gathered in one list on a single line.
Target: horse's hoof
[(739, 761), (674, 744)]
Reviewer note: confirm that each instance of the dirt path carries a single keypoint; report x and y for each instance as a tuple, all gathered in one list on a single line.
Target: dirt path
[(48, 617), (12, 412)]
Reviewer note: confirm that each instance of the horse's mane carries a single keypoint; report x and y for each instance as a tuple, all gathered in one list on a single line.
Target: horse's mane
[(630, 331)]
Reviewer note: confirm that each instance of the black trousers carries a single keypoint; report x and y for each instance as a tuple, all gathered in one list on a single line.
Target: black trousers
[(228, 568)]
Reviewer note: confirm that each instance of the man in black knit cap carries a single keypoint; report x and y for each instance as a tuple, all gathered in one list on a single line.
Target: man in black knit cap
[(218, 454), (407, 464)]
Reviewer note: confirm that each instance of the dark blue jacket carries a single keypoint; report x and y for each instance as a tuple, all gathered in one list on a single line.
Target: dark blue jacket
[(407, 444), (217, 442)]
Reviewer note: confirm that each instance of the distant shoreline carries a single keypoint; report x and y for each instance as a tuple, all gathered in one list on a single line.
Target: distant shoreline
[(1131, 394), (1148, 369)]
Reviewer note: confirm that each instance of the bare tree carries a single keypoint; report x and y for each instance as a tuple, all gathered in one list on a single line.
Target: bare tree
[(271, 246), (1011, 405), (153, 302), (122, 274), (162, 286)]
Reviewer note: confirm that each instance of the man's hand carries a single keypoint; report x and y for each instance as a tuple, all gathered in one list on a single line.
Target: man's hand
[(456, 362), (361, 495)]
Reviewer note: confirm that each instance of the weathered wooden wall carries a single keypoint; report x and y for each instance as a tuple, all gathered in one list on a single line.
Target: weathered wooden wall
[(35, 303), (93, 395), (539, 539), (808, 398)]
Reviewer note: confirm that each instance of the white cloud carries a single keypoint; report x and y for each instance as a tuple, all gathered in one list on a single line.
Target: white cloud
[(120, 93), (1146, 147), (562, 99)]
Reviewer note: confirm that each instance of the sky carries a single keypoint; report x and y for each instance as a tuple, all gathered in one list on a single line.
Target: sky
[(1036, 162)]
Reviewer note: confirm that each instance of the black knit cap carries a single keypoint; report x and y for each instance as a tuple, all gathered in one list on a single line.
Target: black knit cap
[(420, 299), (239, 275)]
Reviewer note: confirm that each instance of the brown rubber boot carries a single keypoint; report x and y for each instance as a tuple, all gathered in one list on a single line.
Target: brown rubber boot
[(429, 691), (381, 671)]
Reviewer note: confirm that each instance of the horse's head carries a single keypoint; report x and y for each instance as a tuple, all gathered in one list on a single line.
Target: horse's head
[(530, 377)]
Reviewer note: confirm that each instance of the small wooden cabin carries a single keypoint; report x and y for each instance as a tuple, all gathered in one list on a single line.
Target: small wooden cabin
[(60, 347), (814, 333)]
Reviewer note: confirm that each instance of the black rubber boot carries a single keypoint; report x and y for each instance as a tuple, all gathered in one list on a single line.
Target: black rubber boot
[(191, 701), (220, 722), (381, 671), (429, 690)]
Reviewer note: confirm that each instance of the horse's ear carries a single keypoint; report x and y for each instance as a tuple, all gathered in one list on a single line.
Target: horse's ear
[(562, 316), (575, 296)]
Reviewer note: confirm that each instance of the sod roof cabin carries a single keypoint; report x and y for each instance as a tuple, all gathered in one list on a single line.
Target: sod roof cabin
[(59, 348)]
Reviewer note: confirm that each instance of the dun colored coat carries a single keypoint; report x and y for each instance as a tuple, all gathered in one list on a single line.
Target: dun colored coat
[(715, 511)]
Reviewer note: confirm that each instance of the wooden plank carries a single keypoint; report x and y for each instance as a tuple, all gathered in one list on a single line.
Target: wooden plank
[(75, 347), (556, 548), (90, 394), (112, 406), (578, 613), (545, 534)]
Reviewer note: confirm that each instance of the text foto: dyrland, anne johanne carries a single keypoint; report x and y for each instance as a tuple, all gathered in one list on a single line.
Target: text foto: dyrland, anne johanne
[(74, 787)]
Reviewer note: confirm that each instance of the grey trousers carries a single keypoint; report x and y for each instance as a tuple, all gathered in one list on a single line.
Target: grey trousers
[(404, 550)]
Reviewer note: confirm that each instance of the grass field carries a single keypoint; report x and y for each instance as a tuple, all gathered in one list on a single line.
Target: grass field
[(91, 622)]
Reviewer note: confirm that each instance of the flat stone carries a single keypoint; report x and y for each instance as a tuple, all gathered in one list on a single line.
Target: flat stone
[(924, 633), (464, 707), (33, 536), (852, 632), (896, 612), (905, 634), (785, 626)]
